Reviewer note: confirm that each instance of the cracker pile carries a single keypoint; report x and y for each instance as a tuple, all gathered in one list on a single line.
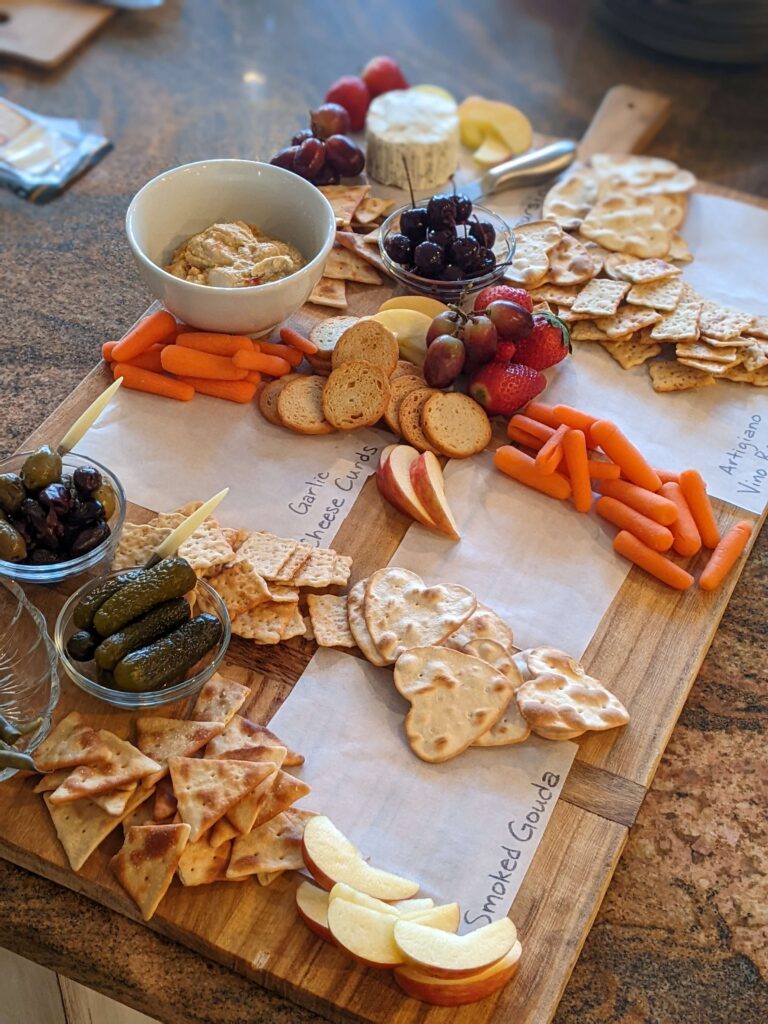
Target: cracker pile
[(454, 662), (259, 576), (206, 798), (606, 259), (355, 255)]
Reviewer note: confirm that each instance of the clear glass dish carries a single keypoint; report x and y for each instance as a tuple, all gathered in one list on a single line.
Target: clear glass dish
[(74, 566), (29, 680), (451, 291), (83, 673)]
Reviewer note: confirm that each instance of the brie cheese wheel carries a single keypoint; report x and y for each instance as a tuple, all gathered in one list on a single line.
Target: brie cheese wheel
[(418, 127)]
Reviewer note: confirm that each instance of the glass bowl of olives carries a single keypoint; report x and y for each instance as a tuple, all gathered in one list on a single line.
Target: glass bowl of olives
[(155, 643), (59, 515), (446, 247)]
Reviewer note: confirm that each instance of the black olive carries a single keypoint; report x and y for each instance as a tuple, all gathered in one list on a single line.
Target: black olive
[(89, 539), (56, 497), (87, 479)]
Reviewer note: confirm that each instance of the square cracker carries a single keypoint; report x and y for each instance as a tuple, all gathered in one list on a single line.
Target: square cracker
[(207, 548), (295, 561), (563, 295), (757, 377), (664, 294), (708, 366), (754, 357), (700, 350), (587, 330), (682, 324), (628, 320), (265, 623), (329, 292), (345, 265), (741, 342), (136, 544), (719, 322), (295, 625), (671, 376), (330, 623), (600, 298), (758, 328), (646, 271), (324, 568), (345, 200), (266, 552), (630, 353), (240, 587)]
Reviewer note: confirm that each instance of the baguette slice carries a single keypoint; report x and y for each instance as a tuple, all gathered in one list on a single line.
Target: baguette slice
[(455, 425), (355, 395), (399, 387), (269, 395), (370, 341), (300, 406), (409, 418)]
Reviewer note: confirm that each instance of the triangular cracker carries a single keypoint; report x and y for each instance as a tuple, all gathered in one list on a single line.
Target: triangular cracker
[(81, 826), (116, 800), (162, 738), (128, 764), (328, 292), (242, 736), (371, 209), (357, 244), (71, 743), (275, 846), (206, 789), (165, 805), (286, 790), (242, 816), (223, 831), (344, 200), (147, 862), (202, 864), (219, 700)]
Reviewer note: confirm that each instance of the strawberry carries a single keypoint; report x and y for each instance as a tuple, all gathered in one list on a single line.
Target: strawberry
[(504, 292), (351, 92), (548, 343), (382, 74), (503, 388), (505, 350)]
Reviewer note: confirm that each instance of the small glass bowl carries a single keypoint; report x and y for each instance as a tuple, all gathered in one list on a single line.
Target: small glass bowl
[(74, 566), (83, 673), (29, 679), (451, 291)]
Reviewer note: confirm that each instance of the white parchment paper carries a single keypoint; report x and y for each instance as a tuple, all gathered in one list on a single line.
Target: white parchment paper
[(466, 830)]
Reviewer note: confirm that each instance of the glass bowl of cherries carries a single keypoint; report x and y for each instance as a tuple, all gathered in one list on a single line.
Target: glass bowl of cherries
[(445, 246)]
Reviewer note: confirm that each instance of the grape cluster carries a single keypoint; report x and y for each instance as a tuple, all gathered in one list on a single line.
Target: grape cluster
[(441, 242), (322, 153)]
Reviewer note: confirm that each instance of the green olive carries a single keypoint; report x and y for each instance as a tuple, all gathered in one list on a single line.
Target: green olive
[(12, 546), (106, 495), (12, 492), (41, 468)]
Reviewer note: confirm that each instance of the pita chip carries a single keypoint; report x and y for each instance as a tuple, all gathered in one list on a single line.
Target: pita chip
[(345, 265), (241, 817), (357, 244), (147, 862), (51, 781), (345, 200), (222, 832), (127, 764), (163, 738), (141, 814), (206, 789), (202, 864), (242, 736), (286, 790), (82, 826), (116, 801), (71, 743), (219, 700), (371, 208), (329, 292), (276, 846), (267, 877)]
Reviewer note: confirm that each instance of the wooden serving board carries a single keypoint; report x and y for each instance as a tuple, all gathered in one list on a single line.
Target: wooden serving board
[(46, 32), (648, 649)]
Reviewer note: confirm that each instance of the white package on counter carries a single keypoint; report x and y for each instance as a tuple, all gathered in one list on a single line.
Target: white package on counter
[(166, 453), (466, 830)]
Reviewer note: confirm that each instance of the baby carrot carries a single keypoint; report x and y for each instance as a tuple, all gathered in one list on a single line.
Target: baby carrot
[(186, 362), (215, 344), (649, 532), (666, 475), (574, 418), (232, 390), (532, 427), (153, 328), (695, 493), (275, 366), (291, 337), (660, 509), (550, 454), (107, 349), (656, 564), (543, 413), (685, 534), (620, 449), (522, 468), (149, 360), (725, 556), (254, 377), (523, 437), (287, 352), (575, 452), (153, 383), (599, 470)]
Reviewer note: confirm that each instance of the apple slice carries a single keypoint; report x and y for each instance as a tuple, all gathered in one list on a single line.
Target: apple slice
[(342, 891), (445, 955), (393, 478), (458, 991), (367, 935), (312, 904), (330, 857), (413, 906), (429, 486), (446, 917), (479, 117), (492, 150), (421, 303)]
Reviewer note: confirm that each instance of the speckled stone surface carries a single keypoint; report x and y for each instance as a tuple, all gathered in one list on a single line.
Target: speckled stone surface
[(682, 935)]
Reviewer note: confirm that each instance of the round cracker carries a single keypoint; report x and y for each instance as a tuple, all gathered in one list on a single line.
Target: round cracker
[(327, 333), (399, 387), (355, 395), (370, 341), (269, 395), (300, 406), (409, 417), (455, 425)]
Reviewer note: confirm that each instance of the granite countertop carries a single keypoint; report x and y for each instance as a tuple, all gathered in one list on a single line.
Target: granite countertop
[(682, 934)]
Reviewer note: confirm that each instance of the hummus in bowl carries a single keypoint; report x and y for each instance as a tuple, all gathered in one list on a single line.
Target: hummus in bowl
[(236, 255)]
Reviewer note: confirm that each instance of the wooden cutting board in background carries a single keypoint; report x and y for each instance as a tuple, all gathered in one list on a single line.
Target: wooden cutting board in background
[(46, 32)]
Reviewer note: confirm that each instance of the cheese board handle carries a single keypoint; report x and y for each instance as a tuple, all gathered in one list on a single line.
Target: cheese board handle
[(625, 122), (530, 168)]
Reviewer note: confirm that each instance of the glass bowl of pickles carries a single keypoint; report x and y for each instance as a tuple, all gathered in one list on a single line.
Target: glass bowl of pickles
[(143, 637), (59, 515)]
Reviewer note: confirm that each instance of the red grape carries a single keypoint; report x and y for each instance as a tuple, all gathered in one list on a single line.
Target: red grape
[(345, 155), (285, 157), (309, 158), (444, 361), (329, 119), (480, 337), (446, 322), (510, 320)]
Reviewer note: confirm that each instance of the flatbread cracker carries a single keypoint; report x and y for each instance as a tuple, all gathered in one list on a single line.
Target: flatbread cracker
[(71, 743), (344, 264), (330, 623), (272, 848), (671, 376), (147, 862), (533, 244), (600, 298), (483, 624), (570, 263), (219, 700), (679, 250), (329, 292), (570, 200), (372, 208), (632, 224), (206, 789), (344, 200), (357, 625), (127, 764)]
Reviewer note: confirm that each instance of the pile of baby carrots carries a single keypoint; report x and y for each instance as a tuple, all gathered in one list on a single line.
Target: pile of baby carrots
[(163, 357), (656, 511)]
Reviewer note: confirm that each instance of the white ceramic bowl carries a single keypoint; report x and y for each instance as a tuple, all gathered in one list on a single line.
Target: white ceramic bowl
[(180, 202)]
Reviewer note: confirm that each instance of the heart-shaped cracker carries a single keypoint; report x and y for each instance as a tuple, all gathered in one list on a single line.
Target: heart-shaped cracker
[(570, 263), (511, 727), (533, 244), (483, 623), (569, 201), (402, 612), (454, 698)]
